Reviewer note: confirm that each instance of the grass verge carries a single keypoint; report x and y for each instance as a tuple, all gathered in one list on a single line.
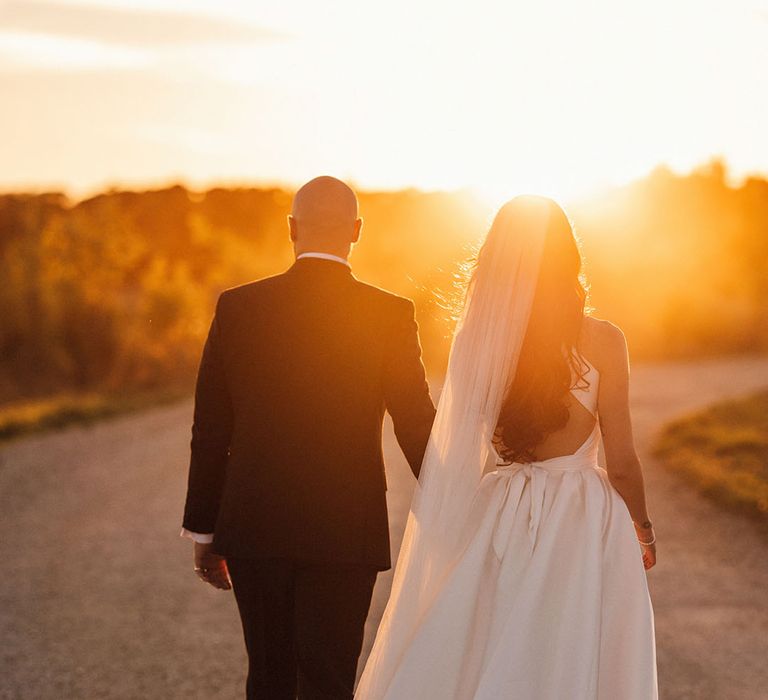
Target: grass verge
[(35, 415), (723, 451)]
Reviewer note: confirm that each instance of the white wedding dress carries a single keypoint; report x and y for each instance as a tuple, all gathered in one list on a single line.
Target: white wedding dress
[(548, 600)]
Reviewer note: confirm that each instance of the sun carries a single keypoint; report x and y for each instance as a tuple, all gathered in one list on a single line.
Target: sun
[(494, 193)]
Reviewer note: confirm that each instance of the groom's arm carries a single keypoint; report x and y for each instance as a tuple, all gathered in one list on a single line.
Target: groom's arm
[(211, 434), (406, 390)]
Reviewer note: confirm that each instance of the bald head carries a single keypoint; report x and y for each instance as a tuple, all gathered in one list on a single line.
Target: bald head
[(324, 217)]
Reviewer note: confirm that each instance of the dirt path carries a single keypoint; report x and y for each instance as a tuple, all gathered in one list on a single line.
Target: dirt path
[(99, 600)]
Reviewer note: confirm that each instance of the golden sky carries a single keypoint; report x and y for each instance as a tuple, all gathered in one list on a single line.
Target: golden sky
[(556, 97)]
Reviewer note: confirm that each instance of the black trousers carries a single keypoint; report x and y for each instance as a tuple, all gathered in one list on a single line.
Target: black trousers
[(303, 625)]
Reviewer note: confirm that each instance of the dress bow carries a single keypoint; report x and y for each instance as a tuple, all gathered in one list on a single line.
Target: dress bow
[(534, 482)]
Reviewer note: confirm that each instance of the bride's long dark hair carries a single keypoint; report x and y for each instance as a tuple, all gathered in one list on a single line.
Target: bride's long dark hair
[(535, 404)]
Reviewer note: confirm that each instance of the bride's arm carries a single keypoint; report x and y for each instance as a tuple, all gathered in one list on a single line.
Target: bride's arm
[(622, 462)]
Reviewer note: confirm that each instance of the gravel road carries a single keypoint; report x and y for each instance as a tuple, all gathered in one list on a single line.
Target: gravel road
[(99, 599)]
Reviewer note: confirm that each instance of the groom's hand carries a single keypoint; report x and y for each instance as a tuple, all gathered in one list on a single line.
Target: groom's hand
[(211, 567)]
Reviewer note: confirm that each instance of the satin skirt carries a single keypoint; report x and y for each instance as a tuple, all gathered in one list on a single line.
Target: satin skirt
[(547, 600)]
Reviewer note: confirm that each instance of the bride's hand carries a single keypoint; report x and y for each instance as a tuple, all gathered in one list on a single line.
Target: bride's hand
[(649, 555), (646, 534)]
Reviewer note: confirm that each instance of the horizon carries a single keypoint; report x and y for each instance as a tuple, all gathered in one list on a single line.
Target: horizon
[(732, 181), (111, 94)]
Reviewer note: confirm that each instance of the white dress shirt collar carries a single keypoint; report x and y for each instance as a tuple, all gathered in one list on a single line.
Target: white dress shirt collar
[(325, 256)]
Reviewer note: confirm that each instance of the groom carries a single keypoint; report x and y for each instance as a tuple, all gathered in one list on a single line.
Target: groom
[(286, 492)]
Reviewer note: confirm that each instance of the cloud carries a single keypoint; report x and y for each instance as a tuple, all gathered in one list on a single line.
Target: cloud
[(63, 54), (127, 27)]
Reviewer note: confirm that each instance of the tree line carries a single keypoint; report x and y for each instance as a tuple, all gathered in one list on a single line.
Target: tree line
[(115, 293)]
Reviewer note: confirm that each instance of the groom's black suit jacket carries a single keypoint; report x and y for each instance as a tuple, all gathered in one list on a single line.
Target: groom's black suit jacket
[(294, 379)]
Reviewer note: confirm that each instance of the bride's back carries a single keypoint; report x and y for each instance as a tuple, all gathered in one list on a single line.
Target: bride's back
[(581, 418)]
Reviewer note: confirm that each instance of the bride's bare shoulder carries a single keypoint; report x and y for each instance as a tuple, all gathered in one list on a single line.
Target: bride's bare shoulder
[(603, 343)]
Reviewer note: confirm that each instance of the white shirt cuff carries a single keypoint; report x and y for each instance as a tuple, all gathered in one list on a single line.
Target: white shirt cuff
[(202, 538)]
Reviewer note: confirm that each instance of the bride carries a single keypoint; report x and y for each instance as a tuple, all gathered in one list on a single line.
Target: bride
[(521, 573)]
